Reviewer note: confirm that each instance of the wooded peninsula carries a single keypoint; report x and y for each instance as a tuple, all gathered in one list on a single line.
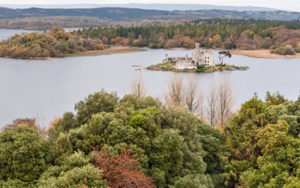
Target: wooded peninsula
[(54, 43)]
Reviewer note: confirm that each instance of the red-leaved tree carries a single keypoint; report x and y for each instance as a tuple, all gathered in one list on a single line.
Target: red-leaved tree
[(121, 171)]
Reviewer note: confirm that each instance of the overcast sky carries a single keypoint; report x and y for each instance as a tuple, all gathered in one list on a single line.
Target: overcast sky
[(279, 4)]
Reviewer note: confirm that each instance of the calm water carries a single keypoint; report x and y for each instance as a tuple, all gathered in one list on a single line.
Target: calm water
[(45, 89), (5, 33)]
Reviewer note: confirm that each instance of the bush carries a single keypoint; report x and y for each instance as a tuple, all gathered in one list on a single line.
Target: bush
[(74, 171), (23, 153), (286, 50), (297, 48)]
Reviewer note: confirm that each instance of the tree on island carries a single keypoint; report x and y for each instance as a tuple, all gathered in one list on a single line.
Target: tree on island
[(223, 54)]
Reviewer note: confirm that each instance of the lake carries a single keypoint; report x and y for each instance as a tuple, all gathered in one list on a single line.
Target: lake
[(45, 89)]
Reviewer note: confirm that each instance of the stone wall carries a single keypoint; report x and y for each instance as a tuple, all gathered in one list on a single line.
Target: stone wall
[(182, 64)]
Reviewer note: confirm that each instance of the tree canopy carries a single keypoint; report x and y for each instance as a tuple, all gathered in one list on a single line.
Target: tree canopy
[(279, 36), (137, 141), (53, 43)]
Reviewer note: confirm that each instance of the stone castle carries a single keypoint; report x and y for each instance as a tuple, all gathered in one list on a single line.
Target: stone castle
[(199, 57)]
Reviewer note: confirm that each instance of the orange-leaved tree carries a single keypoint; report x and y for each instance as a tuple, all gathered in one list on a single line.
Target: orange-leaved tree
[(122, 171)]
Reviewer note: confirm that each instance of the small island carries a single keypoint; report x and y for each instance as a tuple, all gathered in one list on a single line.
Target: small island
[(48, 44), (201, 61)]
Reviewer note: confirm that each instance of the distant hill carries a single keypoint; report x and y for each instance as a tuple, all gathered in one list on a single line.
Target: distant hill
[(156, 6), (183, 7), (105, 13), (29, 17), (114, 13)]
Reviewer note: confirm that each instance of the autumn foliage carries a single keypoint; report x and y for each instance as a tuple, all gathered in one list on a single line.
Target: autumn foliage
[(54, 43), (121, 171), (214, 33)]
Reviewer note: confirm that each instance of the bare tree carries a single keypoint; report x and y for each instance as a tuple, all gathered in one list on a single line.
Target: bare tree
[(212, 106), (138, 88), (193, 97), (175, 95), (200, 110), (225, 100)]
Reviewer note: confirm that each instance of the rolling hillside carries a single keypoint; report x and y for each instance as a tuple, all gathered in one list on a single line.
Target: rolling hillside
[(40, 18), (115, 13)]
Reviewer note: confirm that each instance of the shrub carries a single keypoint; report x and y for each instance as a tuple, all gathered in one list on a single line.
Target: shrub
[(286, 50)]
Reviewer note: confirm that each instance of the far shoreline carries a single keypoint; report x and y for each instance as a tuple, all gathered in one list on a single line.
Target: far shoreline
[(109, 51), (263, 54)]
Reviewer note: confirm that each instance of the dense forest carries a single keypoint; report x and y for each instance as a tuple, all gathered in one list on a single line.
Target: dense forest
[(133, 14), (282, 37), (50, 22), (139, 142), (53, 43)]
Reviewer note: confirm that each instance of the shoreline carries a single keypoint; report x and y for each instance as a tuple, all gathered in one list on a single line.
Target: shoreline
[(265, 54), (109, 51)]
